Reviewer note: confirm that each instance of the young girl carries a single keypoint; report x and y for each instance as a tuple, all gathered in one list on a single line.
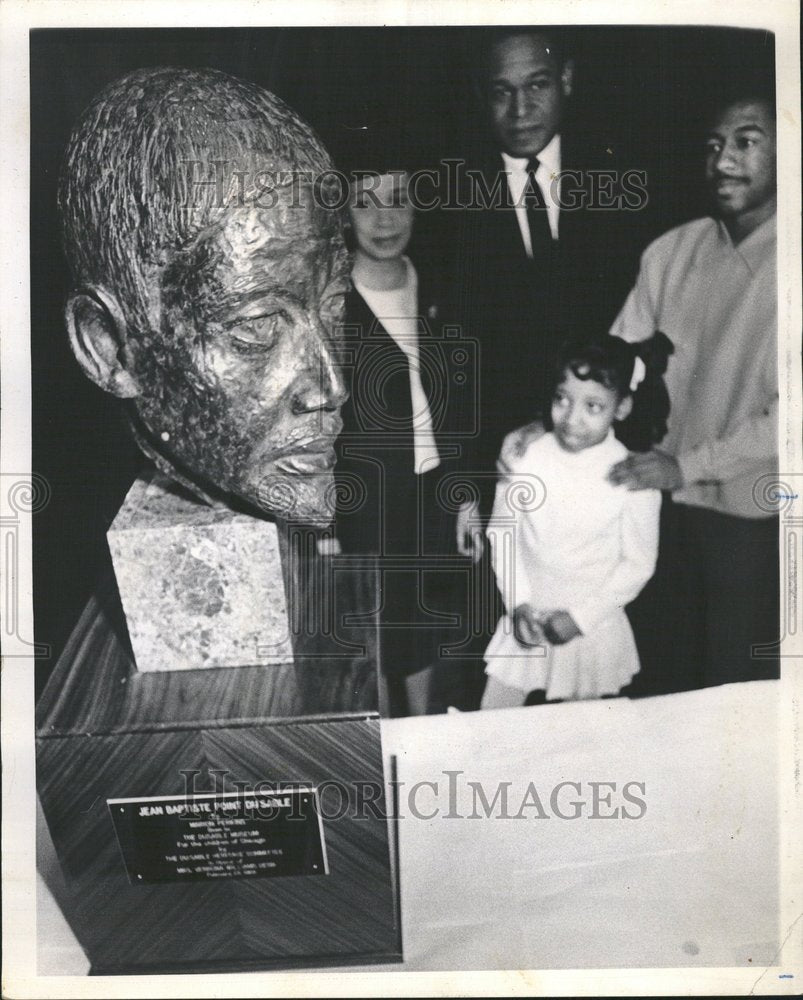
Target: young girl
[(570, 549)]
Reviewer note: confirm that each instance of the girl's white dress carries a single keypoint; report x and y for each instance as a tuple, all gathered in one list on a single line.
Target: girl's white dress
[(564, 538)]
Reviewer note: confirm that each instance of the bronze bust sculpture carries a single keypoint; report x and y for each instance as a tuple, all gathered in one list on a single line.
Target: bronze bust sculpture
[(209, 276)]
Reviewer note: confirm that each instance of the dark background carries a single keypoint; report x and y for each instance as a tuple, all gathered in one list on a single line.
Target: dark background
[(643, 89)]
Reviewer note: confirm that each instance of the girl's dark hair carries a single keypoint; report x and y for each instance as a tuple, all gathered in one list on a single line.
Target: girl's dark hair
[(610, 362)]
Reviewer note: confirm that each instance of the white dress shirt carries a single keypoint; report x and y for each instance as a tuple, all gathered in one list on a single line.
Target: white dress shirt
[(548, 178)]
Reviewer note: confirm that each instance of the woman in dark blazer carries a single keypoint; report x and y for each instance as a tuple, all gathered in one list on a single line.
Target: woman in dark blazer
[(403, 423)]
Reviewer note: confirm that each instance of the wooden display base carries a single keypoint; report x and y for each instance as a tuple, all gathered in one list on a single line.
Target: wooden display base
[(117, 747), (261, 965)]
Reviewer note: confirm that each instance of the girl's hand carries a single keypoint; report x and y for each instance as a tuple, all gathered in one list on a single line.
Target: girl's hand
[(527, 627), (560, 628)]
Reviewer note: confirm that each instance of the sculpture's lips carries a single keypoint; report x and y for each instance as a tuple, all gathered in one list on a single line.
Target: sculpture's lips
[(307, 457)]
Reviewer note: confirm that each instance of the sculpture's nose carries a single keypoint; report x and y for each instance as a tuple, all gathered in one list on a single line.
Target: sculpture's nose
[(320, 385)]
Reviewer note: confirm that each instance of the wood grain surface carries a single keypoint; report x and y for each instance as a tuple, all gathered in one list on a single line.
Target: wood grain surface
[(107, 731), (351, 911)]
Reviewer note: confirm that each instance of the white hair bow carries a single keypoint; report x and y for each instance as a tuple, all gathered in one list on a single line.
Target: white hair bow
[(639, 371)]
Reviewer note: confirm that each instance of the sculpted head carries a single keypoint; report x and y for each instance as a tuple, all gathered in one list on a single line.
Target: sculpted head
[(209, 278)]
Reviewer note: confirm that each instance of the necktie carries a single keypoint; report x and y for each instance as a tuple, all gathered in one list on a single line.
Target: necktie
[(540, 233)]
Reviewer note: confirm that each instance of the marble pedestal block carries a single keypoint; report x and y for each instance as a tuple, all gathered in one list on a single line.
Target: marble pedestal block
[(200, 586)]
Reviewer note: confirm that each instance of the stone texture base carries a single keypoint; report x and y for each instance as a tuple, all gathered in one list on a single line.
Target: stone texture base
[(201, 587)]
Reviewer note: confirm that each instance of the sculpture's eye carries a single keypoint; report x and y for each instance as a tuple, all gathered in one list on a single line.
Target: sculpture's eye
[(257, 334)]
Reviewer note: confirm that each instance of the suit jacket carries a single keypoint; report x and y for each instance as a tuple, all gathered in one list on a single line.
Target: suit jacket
[(519, 310), (384, 507)]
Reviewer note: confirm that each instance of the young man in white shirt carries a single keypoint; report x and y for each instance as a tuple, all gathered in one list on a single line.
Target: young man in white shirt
[(710, 285)]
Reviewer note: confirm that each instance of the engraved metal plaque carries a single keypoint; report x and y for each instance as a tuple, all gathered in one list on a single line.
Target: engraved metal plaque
[(226, 835)]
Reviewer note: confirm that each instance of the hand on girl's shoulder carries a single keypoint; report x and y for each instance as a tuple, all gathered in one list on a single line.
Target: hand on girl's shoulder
[(649, 470), (516, 444)]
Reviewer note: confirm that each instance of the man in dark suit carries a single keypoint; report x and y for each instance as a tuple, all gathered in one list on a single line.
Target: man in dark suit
[(545, 243)]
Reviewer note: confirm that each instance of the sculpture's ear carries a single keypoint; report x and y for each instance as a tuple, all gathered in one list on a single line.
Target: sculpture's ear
[(98, 331)]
